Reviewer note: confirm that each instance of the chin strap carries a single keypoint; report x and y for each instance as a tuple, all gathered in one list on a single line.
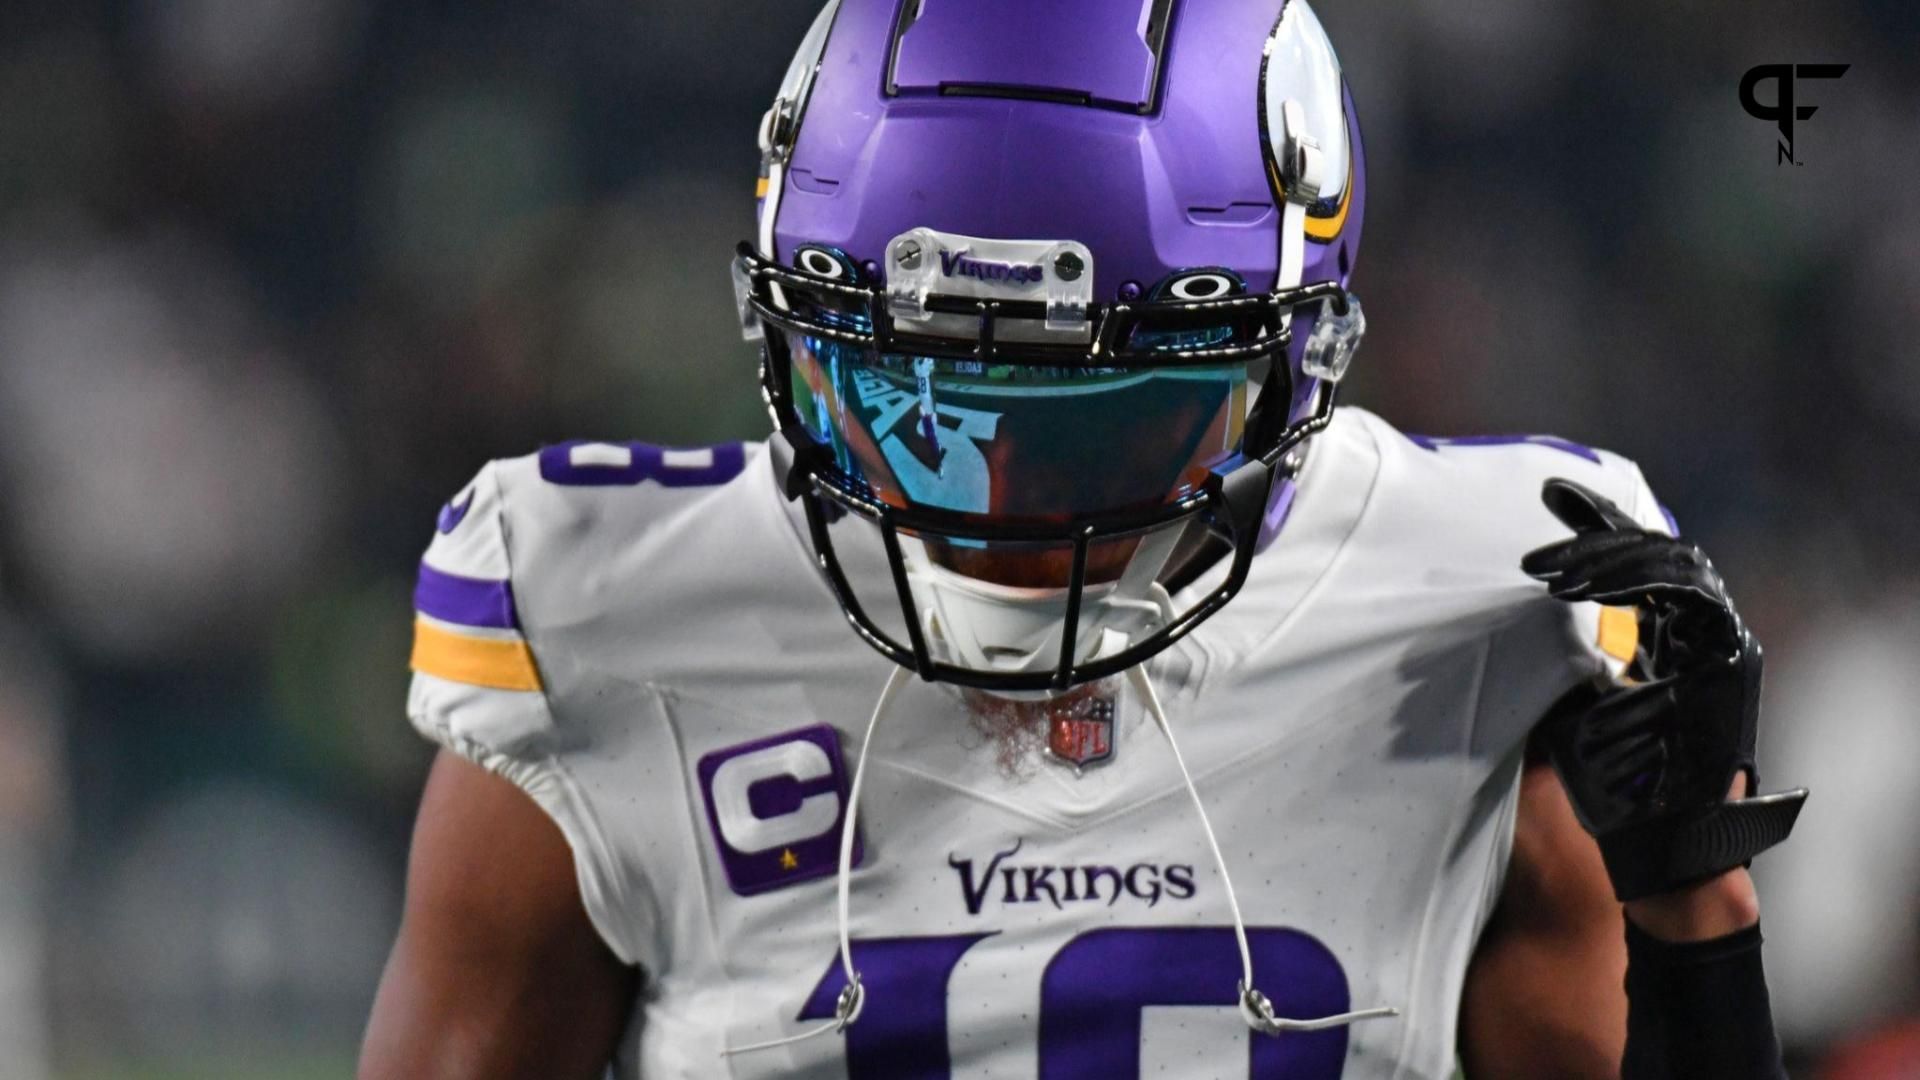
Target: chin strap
[(852, 999), (1255, 1009)]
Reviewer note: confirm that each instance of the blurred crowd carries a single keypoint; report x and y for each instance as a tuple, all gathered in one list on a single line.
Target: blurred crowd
[(277, 275)]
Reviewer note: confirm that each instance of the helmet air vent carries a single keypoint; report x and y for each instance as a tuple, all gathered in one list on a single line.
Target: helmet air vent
[(1095, 53)]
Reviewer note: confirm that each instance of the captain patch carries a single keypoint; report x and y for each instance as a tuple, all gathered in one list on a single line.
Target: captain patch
[(776, 806)]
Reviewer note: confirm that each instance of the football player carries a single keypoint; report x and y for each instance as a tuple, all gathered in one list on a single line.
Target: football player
[(1066, 689)]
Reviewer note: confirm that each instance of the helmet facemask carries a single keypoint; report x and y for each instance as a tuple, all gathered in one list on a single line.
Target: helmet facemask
[(1035, 491)]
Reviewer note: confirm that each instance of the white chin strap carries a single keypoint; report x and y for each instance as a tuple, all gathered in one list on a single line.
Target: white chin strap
[(1255, 1008), (853, 997)]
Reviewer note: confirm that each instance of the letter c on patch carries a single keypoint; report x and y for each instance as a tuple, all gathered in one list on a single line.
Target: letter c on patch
[(745, 832)]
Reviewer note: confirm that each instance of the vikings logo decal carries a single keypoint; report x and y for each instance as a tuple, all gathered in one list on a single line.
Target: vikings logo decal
[(1306, 71)]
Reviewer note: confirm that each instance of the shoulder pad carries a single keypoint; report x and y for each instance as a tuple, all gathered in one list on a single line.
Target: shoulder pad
[(1474, 502), (1513, 467), (529, 552)]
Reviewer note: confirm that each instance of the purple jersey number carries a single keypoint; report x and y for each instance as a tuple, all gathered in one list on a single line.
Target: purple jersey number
[(1091, 999), (1098, 983), (902, 1030), (589, 464), (1551, 442)]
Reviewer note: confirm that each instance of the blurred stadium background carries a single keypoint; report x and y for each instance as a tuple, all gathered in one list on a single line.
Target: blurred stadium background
[(277, 275)]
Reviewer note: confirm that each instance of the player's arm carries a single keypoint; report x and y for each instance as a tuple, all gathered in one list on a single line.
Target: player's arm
[(498, 972), (1544, 995), (1657, 770)]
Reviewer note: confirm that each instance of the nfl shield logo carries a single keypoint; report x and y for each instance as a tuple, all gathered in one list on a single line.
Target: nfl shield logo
[(1081, 733)]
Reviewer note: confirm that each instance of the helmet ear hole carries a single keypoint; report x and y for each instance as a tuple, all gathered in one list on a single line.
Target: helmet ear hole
[(1345, 267)]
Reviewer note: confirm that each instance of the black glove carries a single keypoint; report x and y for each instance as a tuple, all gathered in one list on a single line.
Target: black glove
[(1648, 764)]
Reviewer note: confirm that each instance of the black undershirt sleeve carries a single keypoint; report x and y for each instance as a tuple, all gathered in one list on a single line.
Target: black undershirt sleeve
[(1699, 1010)]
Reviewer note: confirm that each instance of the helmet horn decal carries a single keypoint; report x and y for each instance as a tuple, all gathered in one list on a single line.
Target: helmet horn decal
[(1298, 65)]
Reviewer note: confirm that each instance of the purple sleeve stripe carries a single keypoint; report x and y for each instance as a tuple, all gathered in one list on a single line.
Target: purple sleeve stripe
[(465, 601)]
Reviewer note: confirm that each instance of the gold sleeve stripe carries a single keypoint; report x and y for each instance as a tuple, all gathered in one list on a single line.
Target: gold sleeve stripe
[(1619, 632), (500, 664), (760, 189)]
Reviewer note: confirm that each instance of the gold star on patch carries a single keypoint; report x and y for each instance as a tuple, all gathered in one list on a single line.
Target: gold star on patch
[(788, 860)]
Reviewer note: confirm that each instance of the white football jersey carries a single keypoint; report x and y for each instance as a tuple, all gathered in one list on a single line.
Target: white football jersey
[(640, 639)]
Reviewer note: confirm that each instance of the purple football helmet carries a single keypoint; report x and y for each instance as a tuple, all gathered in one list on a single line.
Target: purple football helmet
[(1048, 296)]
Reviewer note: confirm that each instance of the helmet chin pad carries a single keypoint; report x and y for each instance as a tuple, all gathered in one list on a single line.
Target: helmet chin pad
[(1005, 629)]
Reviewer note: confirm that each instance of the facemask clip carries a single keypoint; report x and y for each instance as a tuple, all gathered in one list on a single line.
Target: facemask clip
[(1335, 338)]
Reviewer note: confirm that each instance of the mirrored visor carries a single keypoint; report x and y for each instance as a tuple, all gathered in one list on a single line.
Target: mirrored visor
[(1017, 442)]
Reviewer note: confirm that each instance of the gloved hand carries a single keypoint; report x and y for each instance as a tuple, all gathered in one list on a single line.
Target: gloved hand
[(1648, 765)]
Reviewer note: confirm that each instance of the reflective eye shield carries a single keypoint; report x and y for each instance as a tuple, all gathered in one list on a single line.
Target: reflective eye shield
[(1012, 442)]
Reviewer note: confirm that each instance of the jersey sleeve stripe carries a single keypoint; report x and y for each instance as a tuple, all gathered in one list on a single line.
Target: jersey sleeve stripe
[(496, 663), (1619, 633), (463, 600)]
